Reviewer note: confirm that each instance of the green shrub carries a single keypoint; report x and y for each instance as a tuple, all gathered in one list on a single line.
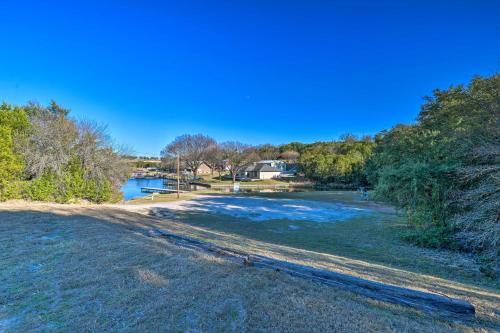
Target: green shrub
[(116, 196), (432, 237), (71, 184), (14, 190), (97, 191), (13, 123), (43, 188)]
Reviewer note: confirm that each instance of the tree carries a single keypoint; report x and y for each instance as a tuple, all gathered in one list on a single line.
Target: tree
[(215, 159), (290, 156), (13, 126), (49, 145), (293, 146), (268, 152), (407, 171), (238, 156), (97, 156), (338, 162), (192, 150), (479, 201), (469, 118), (443, 170), (348, 137), (57, 110), (56, 158)]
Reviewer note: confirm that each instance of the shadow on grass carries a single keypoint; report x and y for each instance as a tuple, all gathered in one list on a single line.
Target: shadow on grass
[(95, 269), (78, 272), (373, 239)]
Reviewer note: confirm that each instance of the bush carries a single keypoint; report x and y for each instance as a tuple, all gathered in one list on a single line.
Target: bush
[(42, 189), (13, 190), (433, 237), (71, 184), (97, 192)]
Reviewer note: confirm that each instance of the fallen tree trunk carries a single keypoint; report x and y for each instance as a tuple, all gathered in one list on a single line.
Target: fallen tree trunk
[(428, 302)]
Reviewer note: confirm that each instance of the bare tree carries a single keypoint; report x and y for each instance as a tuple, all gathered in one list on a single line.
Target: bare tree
[(238, 156), (99, 159), (290, 156), (91, 138), (479, 217), (49, 144), (169, 162), (215, 159), (192, 150)]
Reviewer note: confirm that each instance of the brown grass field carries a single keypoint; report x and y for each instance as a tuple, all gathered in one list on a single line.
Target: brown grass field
[(94, 268)]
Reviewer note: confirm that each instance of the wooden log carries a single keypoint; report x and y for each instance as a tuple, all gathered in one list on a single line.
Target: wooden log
[(424, 301)]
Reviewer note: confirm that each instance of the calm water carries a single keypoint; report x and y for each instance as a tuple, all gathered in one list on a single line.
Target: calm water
[(132, 189)]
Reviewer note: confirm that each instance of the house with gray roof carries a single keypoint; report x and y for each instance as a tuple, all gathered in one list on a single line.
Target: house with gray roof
[(278, 164), (262, 171)]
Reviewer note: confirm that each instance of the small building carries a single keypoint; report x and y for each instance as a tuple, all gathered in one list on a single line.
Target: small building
[(139, 173), (262, 171), (204, 169)]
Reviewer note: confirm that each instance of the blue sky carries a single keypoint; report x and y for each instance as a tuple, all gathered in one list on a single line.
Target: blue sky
[(253, 71)]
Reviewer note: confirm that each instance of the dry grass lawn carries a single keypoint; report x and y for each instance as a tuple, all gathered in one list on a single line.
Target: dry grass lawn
[(93, 268)]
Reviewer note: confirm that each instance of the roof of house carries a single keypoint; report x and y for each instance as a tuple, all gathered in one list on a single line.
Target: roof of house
[(250, 168), (261, 168), (266, 168)]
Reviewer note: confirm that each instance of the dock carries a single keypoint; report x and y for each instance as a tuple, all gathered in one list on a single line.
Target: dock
[(158, 190), (200, 184)]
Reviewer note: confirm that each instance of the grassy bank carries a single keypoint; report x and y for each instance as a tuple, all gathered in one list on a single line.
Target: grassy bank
[(375, 238), (69, 267)]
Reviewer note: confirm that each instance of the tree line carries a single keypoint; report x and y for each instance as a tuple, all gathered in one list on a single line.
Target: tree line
[(338, 162), (45, 155), (193, 150)]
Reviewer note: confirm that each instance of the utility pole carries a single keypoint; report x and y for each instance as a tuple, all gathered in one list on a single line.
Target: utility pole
[(178, 175)]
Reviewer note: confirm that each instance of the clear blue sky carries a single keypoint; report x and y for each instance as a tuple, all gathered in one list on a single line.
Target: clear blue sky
[(253, 71)]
